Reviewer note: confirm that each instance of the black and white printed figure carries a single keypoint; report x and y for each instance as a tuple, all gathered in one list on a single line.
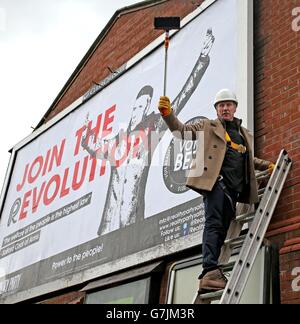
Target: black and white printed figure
[(125, 198)]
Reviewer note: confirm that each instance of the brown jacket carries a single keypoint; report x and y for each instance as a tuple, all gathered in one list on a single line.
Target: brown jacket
[(214, 153)]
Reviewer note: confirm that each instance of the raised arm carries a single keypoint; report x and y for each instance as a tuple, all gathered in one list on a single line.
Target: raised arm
[(196, 75), (193, 80)]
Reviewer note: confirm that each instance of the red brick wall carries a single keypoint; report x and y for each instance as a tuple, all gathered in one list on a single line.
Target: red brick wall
[(128, 35), (290, 272), (277, 118), (277, 97)]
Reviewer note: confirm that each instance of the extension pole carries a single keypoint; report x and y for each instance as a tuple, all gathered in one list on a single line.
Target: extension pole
[(166, 24), (167, 43)]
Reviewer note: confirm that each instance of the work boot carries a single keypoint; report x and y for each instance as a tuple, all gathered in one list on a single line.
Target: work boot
[(212, 281)]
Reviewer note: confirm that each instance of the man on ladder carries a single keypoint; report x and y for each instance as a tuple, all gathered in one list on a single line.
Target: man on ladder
[(228, 176)]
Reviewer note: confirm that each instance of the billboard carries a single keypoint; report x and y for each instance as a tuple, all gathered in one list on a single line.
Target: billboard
[(104, 188)]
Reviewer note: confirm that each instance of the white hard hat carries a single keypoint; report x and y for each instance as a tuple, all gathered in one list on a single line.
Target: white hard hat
[(225, 95)]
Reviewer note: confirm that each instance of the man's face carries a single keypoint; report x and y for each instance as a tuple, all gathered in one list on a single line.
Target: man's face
[(138, 110), (226, 110)]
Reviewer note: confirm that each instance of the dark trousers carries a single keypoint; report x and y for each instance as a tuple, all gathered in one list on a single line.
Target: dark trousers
[(220, 204)]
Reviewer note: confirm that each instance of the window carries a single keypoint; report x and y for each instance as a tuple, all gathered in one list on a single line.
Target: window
[(261, 288), (139, 285), (136, 292)]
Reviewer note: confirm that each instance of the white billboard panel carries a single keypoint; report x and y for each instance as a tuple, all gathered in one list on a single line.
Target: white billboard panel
[(102, 189)]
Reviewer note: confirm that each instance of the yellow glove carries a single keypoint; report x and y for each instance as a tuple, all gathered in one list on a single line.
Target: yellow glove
[(164, 106), (271, 167)]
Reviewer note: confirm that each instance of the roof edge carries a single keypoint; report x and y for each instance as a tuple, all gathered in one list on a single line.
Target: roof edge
[(120, 12)]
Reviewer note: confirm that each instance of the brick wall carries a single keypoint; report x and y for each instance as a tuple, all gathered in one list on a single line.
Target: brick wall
[(277, 96), (290, 272), (277, 121), (127, 36)]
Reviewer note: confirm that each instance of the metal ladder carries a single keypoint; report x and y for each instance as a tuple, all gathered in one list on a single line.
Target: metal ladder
[(258, 221)]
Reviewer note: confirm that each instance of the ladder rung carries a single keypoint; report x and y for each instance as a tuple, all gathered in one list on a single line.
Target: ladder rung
[(245, 217), (261, 190), (235, 241), (227, 266), (211, 295), (262, 173), (262, 177)]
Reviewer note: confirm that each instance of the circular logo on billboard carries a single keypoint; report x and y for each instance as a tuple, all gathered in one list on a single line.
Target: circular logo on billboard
[(178, 162)]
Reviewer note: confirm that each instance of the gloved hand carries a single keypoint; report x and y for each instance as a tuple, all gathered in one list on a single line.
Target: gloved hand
[(271, 167), (164, 106)]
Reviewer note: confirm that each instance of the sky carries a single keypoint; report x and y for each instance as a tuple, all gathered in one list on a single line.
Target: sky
[(41, 43)]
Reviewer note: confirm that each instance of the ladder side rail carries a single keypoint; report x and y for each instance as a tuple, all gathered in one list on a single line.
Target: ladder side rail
[(249, 242), (246, 214), (256, 219), (255, 234), (259, 236)]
